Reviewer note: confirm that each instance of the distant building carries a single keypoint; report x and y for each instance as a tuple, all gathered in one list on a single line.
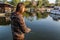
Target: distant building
[(5, 8)]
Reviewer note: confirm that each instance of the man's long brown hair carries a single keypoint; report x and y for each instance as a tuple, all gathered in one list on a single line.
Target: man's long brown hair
[(19, 5)]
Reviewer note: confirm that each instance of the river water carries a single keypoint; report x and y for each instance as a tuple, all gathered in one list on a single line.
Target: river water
[(43, 26)]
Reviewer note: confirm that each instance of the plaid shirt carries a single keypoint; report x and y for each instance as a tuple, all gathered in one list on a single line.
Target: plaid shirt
[(17, 23), (18, 26)]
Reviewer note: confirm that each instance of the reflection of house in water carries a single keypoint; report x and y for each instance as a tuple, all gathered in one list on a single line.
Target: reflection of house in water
[(3, 21), (35, 16), (55, 17)]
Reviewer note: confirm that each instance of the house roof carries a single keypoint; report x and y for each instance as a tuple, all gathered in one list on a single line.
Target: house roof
[(5, 4)]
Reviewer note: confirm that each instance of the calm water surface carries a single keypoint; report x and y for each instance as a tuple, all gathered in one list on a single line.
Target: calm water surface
[(44, 27)]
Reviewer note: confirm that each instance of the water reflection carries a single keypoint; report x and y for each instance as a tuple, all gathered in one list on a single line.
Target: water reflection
[(5, 29), (3, 21), (55, 17), (44, 26), (35, 16)]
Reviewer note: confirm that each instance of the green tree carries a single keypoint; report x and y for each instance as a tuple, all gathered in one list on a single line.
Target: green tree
[(57, 2), (39, 3), (27, 3), (15, 2), (45, 3)]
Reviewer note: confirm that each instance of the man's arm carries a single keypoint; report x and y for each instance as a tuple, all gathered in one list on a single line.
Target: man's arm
[(23, 25)]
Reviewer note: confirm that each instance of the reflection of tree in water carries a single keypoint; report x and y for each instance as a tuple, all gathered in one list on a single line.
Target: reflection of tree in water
[(45, 15), (35, 16), (3, 21), (30, 16), (41, 15)]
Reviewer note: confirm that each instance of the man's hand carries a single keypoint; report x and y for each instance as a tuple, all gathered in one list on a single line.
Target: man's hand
[(27, 30)]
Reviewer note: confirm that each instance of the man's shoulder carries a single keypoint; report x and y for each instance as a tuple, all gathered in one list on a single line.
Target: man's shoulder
[(12, 13)]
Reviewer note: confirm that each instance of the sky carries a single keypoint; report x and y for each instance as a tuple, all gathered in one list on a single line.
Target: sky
[(51, 1)]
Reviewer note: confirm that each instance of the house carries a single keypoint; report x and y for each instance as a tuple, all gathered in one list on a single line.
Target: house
[(5, 8)]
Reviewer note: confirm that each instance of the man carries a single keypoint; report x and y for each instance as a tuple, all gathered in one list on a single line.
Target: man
[(18, 24)]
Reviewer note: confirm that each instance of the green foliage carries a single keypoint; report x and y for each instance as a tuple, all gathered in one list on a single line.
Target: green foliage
[(44, 15), (45, 3), (39, 16), (27, 2), (15, 2), (11, 3), (39, 3), (26, 14), (3, 21), (57, 3)]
